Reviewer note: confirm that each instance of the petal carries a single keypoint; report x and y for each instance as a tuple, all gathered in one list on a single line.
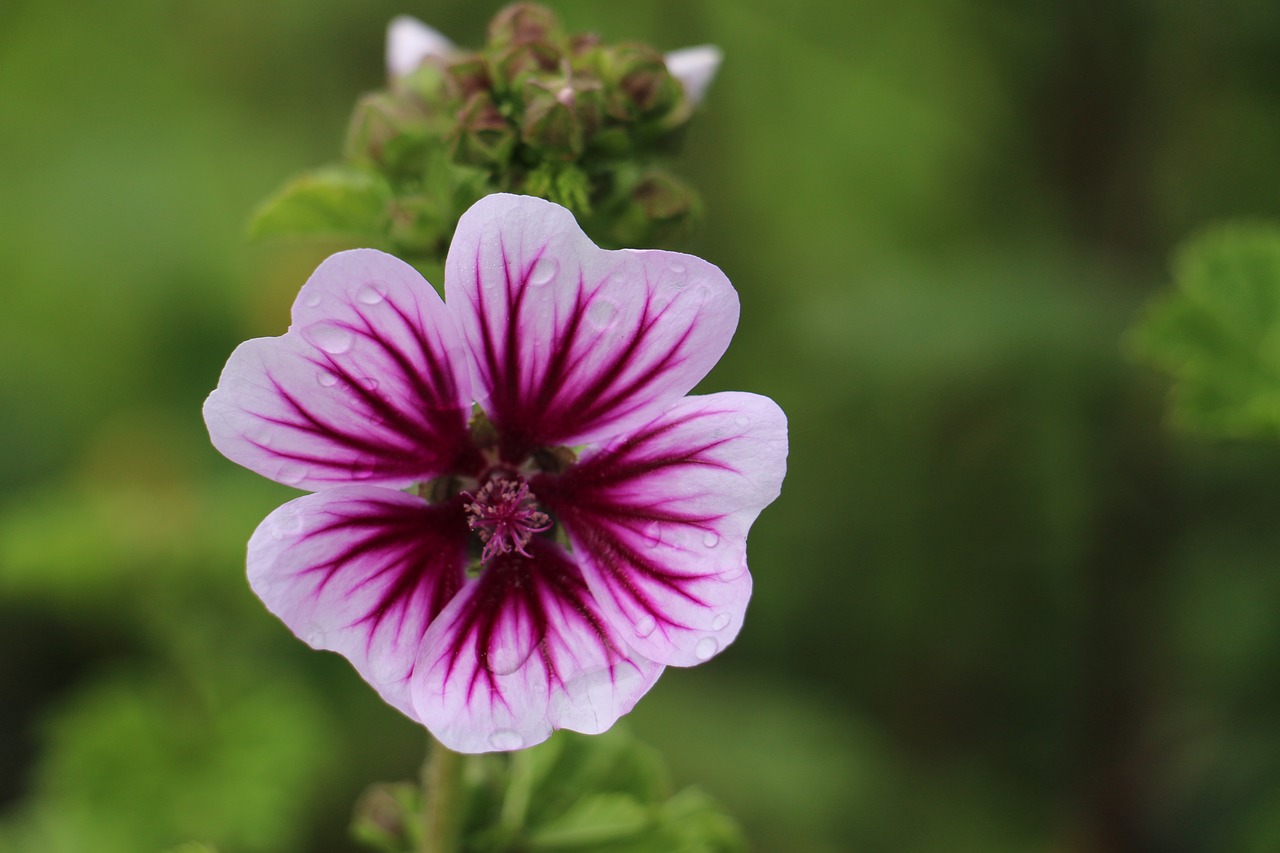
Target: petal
[(659, 521), (522, 651), (572, 343), (369, 383), (409, 42), (361, 571), (695, 68)]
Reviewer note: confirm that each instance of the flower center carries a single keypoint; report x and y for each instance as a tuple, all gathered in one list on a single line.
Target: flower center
[(504, 514)]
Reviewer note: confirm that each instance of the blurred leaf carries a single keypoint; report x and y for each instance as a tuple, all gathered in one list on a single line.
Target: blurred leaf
[(1218, 333), (593, 820), (140, 760), (692, 822), (336, 200)]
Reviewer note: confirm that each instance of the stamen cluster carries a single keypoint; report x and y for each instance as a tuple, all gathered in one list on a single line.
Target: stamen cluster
[(504, 514)]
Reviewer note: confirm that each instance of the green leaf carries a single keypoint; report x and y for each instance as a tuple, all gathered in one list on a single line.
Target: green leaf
[(692, 822), (593, 820), (1218, 332), (333, 201), (615, 762)]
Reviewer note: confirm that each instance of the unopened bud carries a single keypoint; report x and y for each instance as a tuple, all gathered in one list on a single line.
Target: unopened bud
[(466, 76), (664, 197), (644, 86), (381, 126), (583, 43), (560, 116), (518, 63), (523, 22), (482, 136)]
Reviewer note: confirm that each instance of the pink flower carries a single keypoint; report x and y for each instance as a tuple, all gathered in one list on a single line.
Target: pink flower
[(536, 564)]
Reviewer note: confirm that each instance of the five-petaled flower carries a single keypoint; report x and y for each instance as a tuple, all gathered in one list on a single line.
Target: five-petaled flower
[(518, 516)]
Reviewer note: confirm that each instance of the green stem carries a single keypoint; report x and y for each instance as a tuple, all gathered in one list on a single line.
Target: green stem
[(441, 800)]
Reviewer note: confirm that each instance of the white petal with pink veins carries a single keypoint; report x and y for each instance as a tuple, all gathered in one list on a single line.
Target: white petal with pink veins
[(361, 571), (659, 519), (572, 343), (522, 651), (369, 384)]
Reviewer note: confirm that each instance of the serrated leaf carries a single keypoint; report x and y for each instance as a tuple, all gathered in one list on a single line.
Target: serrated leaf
[(334, 201), (1218, 332), (593, 821)]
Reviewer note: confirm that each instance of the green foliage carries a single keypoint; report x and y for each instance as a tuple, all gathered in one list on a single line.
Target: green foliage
[(606, 793), (141, 760), (335, 201), (1218, 332)]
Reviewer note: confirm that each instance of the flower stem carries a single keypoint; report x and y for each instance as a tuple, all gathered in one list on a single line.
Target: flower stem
[(441, 800)]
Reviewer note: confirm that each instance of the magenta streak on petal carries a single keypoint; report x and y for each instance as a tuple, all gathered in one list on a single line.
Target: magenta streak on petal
[(532, 410), (517, 588), (428, 434), (591, 500), (413, 553)]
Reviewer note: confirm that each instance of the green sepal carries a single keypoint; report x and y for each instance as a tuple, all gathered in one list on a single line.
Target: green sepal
[(332, 201), (563, 183), (1218, 332)]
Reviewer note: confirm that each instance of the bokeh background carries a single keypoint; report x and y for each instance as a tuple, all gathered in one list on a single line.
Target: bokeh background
[(1001, 604)]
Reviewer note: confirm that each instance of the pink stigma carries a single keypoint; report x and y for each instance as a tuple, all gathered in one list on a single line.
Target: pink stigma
[(504, 514)]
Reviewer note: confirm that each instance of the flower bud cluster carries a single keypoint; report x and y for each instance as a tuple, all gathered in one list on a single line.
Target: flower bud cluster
[(537, 110)]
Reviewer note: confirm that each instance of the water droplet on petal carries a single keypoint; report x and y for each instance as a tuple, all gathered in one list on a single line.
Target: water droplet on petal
[(506, 658), (506, 739), (291, 473), (314, 635), (706, 648), (334, 340), (720, 622), (645, 626), (369, 383), (371, 293), (602, 313), (652, 534), (543, 271), (289, 525), (677, 275), (742, 421), (311, 299), (711, 539), (327, 379)]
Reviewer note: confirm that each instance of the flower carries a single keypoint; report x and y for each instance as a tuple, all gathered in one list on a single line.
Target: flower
[(695, 68), (518, 516), (410, 42)]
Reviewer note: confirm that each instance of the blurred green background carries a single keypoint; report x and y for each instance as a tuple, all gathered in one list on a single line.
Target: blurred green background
[(1000, 606)]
